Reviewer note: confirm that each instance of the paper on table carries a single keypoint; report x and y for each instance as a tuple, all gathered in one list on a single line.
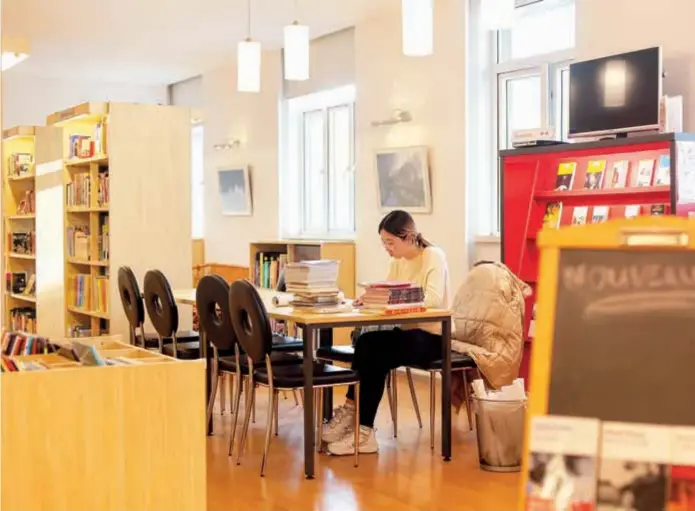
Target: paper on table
[(282, 300)]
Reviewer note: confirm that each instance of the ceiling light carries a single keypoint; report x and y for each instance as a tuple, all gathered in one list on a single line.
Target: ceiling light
[(418, 27), (296, 52), (498, 14), (10, 59), (249, 66)]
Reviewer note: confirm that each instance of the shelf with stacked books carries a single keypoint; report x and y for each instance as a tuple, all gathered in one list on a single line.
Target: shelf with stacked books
[(19, 225), (592, 182), (86, 210), (125, 201)]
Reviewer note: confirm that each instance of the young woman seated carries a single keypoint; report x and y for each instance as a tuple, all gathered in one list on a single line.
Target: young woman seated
[(413, 259)]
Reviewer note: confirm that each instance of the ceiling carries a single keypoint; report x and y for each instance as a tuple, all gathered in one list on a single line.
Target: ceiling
[(159, 41)]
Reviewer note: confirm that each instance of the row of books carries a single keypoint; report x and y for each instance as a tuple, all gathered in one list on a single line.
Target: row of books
[(103, 242), (103, 189), (16, 343), (599, 214), (23, 319), (79, 330), (20, 283), (22, 242), (597, 177), (27, 205), (393, 297), (78, 242), (267, 269), (90, 293), (79, 191), (19, 164), (585, 464), (87, 146)]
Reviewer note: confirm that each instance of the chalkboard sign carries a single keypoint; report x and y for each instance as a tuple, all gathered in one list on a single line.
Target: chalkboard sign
[(624, 336)]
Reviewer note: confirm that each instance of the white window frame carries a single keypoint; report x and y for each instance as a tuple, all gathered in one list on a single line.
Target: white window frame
[(198, 182), (296, 225), (549, 67)]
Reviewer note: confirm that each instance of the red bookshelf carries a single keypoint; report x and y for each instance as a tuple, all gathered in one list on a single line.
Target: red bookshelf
[(529, 177)]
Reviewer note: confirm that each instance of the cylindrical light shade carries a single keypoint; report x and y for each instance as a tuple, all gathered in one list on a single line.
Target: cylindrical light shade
[(497, 14), (418, 27), (249, 66), (296, 52)]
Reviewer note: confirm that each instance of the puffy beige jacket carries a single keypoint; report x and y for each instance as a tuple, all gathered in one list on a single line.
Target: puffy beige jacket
[(488, 319)]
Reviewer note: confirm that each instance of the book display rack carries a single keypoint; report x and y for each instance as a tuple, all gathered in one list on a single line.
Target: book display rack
[(610, 421), (19, 227), (570, 184), (106, 427)]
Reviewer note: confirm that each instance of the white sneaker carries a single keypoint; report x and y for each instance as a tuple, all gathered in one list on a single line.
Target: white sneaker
[(346, 445), (343, 422)]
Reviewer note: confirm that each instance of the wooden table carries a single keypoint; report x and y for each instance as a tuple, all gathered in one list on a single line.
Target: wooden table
[(312, 323)]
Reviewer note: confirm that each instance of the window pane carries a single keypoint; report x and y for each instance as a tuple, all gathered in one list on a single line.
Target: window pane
[(197, 188), (541, 28), (565, 103), (341, 178), (523, 106), (314, 156)]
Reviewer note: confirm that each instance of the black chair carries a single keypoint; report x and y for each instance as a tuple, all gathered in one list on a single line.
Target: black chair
[(131, 298), (459, 362), (212, 302), (346, 354), (252, 328), (164, 315)]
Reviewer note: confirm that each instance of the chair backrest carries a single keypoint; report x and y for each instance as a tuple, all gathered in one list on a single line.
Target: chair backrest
[(160, 304), (130, 296), (212, 302), (250, 320)]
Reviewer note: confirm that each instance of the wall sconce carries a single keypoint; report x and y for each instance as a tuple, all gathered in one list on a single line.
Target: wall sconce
[(232, 144), (397, 117)]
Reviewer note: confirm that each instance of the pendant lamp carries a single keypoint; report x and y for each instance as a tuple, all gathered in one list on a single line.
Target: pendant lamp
[(418, 27), (296, 52), (497, 14), (249, 62)]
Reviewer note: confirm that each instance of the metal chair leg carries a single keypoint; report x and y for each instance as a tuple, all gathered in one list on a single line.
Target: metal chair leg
[(223, 386), (389, 395), (467, 394), (277, 415), (253, 403), (213, 391), (231, 377), (319, 419), (245, 427), (301, 397), (357, 424), (294, 395), (394, 401), (413, 395), (235, 411), (272, 401), (433, 407)]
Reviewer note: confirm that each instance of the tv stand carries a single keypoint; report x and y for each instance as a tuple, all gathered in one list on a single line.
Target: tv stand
[(614, 137)]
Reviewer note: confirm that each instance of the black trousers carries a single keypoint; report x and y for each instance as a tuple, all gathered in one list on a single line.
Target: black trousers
[(379, 352)]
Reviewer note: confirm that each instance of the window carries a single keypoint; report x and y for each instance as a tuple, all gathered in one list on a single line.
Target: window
[(197, 180), (526, 68), (321, 150)]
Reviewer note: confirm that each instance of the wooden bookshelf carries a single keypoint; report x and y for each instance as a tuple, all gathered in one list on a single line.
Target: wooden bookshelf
[(107, 443), (126, 202), (19, 216), (303, 250)]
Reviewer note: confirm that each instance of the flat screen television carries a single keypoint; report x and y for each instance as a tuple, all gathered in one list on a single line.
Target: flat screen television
[(616, 94)]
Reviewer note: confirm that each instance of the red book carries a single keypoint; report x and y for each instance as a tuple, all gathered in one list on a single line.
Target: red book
[(387, 284)]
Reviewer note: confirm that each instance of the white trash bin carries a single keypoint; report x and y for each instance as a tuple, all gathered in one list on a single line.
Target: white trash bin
[(500, 431)]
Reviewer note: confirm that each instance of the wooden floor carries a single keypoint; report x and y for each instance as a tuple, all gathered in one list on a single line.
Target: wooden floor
[(404, 475)]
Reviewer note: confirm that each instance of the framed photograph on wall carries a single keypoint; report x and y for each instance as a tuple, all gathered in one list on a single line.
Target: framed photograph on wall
[(403, 179), (235, 190)]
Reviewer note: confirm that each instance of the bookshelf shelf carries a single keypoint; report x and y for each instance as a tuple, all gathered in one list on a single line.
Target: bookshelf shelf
[(15, 255), (112, 156), (26, 177), (21, 217), (643, 194), (23, 298)]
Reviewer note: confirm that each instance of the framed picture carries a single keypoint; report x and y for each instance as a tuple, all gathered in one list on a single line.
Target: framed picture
[(235, 190), (403, 179)]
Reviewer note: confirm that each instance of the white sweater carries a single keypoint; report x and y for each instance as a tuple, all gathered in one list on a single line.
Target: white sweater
[(429, 270)]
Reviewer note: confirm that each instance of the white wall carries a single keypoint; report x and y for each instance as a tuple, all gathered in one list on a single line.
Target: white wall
[(253, 119), (28, 100), (605, 27), (433, 90)]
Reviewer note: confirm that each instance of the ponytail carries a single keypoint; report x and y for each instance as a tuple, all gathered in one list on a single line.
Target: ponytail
[(421, 241)]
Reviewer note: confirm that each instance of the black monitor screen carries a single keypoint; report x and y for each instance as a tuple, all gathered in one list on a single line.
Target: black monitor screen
[(615, 94)]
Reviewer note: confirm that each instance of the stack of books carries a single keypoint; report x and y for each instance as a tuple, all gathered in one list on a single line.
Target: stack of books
[(393, 297), (314, 285)]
